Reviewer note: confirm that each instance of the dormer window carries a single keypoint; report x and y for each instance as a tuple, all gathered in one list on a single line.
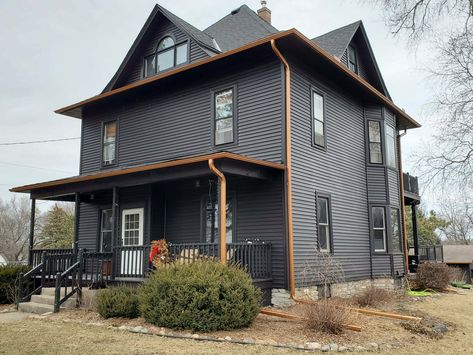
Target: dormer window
[(168, 55), (352, 60)]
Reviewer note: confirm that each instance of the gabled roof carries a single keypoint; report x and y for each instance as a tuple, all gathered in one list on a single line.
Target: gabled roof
[(238, 28), (337, 41), (202, 38)]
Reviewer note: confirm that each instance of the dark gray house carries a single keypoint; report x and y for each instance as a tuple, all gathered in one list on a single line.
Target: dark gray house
[(298, 137)]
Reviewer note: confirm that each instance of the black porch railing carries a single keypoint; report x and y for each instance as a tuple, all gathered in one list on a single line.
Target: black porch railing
[(411, 183), (428, 253), (37, 254)]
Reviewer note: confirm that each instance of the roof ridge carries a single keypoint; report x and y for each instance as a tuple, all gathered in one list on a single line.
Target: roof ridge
[(339, 28)]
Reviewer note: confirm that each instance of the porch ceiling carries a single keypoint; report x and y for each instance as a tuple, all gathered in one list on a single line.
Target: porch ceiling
[(229, 163)]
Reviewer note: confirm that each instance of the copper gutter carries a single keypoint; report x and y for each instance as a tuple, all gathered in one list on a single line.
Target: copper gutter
[(403, 207), (222, 210), (290, 230), (147, 167)]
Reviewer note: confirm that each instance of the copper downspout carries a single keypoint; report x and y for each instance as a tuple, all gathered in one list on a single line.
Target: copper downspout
[(222, 182), (403, 207), (290, 232)]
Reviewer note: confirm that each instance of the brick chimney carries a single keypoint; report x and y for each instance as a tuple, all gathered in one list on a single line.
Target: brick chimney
[(264, 12)]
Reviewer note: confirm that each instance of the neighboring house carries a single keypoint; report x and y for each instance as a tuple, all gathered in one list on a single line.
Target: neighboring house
[(300, 135), (3, 260), (461, 257)]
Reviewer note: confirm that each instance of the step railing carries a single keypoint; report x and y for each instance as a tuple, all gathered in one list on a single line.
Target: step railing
[(70, 281), (26, 284)]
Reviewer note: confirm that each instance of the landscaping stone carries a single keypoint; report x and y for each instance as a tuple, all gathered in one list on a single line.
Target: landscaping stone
[(359, 348), (248, 340), (195, 336), (440, 328), (313, 346), (227, 338), (373, 346), (342, 349), (325, 348), (333, 347)]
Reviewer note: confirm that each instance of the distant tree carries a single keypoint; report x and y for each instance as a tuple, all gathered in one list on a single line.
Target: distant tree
[(15, 228), (447, 27), (459, 215), (58, 227), (429, 227)]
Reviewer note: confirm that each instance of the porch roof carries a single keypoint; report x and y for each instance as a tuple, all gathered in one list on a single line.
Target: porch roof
[(230, 163)]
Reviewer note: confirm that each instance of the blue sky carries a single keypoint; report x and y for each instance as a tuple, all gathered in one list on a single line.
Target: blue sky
[(57, 52)]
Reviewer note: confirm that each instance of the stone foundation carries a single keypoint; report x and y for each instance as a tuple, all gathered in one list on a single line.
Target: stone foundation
[(281, 297)]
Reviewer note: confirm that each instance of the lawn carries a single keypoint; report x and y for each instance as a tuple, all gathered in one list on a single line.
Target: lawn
[(52, 335)]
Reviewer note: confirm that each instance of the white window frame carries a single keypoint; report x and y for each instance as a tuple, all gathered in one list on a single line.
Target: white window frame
[(380, 143), (140, 212), (325, 225), (378, 228)]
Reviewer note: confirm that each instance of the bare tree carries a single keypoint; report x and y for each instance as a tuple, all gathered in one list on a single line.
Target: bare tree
[(447, 26), (14, 228), (459, 215)]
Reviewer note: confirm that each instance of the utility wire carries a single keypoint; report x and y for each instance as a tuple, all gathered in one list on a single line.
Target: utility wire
[(42, 141), (36, 167)]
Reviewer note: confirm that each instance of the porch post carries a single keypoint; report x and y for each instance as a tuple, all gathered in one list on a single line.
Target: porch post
[(222, 202), (415, 236), (114, 230), (32, 223), (76, 225)]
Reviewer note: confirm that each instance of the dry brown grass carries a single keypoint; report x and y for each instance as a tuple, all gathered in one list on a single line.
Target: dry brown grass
[(373, 297), (329, 316)]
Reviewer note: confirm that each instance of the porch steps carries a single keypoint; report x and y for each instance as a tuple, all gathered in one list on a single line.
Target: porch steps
[(44, 302)]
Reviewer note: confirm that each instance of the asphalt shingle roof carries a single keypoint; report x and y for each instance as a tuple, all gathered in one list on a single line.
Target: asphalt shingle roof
[(336, 41), (238, 28)]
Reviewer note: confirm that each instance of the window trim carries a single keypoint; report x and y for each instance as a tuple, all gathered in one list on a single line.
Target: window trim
[(327, 197), (155, 54), (372, 229), (399, 236), (368, 141), (100, 239), (314, 90), (356, 71), (213, 130), (104, 123), (395, 167)]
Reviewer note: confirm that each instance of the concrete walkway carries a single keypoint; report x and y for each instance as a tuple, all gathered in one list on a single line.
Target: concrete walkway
[(10, 317)]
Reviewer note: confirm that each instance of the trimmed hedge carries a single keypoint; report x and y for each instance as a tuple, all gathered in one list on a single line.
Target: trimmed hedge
[(118, 301), (8, 276), (202, 296)]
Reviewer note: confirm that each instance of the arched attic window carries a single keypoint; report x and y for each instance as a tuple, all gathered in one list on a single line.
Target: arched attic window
[(168, 55)]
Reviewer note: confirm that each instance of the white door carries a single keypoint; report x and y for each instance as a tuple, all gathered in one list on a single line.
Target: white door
[(132, 235)]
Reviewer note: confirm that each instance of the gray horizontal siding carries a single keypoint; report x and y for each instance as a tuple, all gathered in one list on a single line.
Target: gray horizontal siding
[(376, 184), (178, 122), (394, 191), (399, 264), (339, 171), (157, 30), (381, 265), (88, 223)]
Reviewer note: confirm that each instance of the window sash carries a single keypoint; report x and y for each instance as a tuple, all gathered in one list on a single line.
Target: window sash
[(132, 227), (390, 147), (106, 229), (213, 216), (109, 141), (318, 119), (396, 230), (382, 228), (224, 116), (352, 60), (323, 224), (374, 140), (174, 53)]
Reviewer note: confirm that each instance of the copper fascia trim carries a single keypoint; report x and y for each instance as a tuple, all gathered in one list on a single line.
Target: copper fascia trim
[(288, 161), (222, 211), (143, 168)]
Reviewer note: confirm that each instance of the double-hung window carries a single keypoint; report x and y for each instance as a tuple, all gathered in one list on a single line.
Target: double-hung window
[(224, 116), (379, 228), (390, 146), (396, 243), (212, 231), (109, 143), (374, 138), (352, 60), (106, 227), (323, 224), (318, 124)]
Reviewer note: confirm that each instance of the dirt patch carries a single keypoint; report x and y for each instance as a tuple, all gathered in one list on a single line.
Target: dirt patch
[(7, 307)]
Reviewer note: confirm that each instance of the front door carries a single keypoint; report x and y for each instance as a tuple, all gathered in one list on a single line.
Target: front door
[(132, 236)]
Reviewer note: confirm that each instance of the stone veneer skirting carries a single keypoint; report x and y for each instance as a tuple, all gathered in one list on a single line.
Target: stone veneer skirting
[(281, 297)]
